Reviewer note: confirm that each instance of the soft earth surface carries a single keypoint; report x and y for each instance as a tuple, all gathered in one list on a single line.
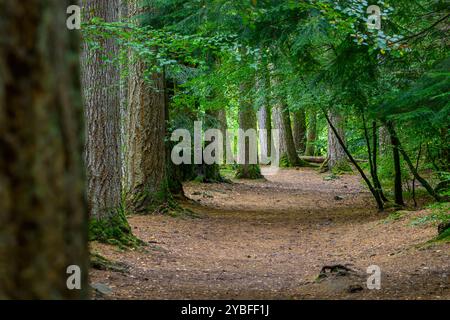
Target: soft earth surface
[(270, 239)]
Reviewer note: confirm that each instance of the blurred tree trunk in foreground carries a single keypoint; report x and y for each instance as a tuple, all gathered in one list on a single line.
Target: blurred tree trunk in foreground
[(43, 215)]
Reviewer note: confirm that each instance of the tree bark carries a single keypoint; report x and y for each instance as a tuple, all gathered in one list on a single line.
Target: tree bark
[(101, 81), (265, 113), (146, 155), (312, 133), (411, 167), (211, 172), (294, 160), (123, 13), (337, 158), (43, 212), (222, 121), (300, 131), (265, 123), (384, 140), (376, 179), (282, 122), (375, 194), (247, 120), (279, 125), (398, 190)]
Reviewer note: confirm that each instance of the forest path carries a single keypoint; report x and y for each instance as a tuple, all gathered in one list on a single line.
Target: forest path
[(270, 239)]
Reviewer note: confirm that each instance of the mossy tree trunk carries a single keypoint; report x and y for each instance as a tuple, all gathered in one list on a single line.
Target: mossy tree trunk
[(43, 211)]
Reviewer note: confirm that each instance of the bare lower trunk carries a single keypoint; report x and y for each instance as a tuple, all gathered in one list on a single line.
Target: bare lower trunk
[(43, 212), (102, 101)]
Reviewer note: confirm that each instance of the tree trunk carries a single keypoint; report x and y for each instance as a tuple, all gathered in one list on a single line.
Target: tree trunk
[(247, 120), (211, 172), (43, 212), (222, 121), (123, 97), (265, 138), (375, 194), (300, 131), (102, 100), (282, 122), (411, 167), (278, 124), (265, 115), (337, 159), (376, 179), (147, 187), (312, 133), (398, 190), (384, 141), (293, 158)]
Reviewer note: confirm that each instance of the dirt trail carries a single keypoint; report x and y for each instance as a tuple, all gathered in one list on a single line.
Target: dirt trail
[(270, 239)]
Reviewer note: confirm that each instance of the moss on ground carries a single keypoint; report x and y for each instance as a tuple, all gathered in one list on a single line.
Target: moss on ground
[(99, 262)]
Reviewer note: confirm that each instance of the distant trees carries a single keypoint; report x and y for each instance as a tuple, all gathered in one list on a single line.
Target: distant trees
[(43, 211)]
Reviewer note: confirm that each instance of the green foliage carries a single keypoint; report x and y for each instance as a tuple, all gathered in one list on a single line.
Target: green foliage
[(319, 56), (444, 236), (440, 212)]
